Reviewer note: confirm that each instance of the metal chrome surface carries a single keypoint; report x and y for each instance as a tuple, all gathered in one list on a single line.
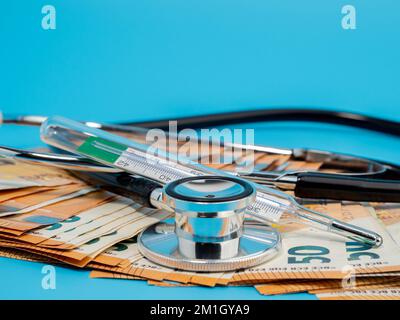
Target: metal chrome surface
[(209, 210), (258, 244), (208, 233), (222, 196)]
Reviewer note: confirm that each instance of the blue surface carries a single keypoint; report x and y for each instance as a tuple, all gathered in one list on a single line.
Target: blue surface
[(22, 280), (122, 59), (125, 60)]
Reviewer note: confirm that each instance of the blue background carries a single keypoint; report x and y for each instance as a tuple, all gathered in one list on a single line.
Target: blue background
[(137, 60)]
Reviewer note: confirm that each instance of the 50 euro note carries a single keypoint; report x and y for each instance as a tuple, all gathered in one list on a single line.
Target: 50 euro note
[(23, 255), (75, 202), (132, 215), (140, 267), (313, 254), (120, 255), (16, 193), (366, 286), (293, 286), (86, 218), (124, 259), (81, 233), (16, 174), (31, 202), (84, 227), (389, 215), (84, 222), (87, 252), (388, 293), (111, 275)]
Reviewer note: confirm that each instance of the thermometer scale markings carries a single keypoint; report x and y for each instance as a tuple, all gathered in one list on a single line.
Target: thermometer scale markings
[(151, 167), (265, 209)]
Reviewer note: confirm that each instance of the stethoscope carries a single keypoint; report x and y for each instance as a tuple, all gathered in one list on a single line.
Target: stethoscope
[(209, 232)]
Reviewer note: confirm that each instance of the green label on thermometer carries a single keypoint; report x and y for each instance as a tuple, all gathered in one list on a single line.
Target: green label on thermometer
[(134, 161), (102, 149)]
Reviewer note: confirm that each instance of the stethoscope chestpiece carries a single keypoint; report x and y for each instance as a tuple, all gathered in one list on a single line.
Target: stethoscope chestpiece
[(209, 233)]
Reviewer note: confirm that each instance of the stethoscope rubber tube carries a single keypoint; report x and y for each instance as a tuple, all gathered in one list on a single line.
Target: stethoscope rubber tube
[(331, 186), (120, 183), (281, 114)]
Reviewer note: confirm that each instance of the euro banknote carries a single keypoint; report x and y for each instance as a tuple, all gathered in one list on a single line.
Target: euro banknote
[(31, 202), (294, 286), (389, 215), (312, 254), (389, 293), (56, 212), (23, 255), (15, 174), (88, 251)]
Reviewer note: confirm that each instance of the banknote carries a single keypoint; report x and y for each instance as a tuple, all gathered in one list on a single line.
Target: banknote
[(366, 286), (110, 275), (168, 284), (389, 215), (23, 255), (85, 253), (81, 228), (31, 202), (98, 227), (15, 174), (140, 267), (86, 218), (104, 274), (312, 254), (16, 193), (131, 263), (6, 232), (148, 270), (293, 286), (84, 199), (121, 255), (388, 293)]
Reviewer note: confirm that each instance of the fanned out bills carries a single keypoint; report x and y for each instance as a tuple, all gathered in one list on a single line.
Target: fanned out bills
[(49, 216)]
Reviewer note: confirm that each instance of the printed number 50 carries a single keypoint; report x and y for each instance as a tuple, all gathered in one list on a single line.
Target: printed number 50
[(308, 254)]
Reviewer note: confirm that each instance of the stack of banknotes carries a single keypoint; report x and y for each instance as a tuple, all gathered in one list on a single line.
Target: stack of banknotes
[(48, 215)]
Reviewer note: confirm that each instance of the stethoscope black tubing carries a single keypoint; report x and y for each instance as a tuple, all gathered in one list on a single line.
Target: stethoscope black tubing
[(271, 115), (320, 185), (382, 187), (121, 183)]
